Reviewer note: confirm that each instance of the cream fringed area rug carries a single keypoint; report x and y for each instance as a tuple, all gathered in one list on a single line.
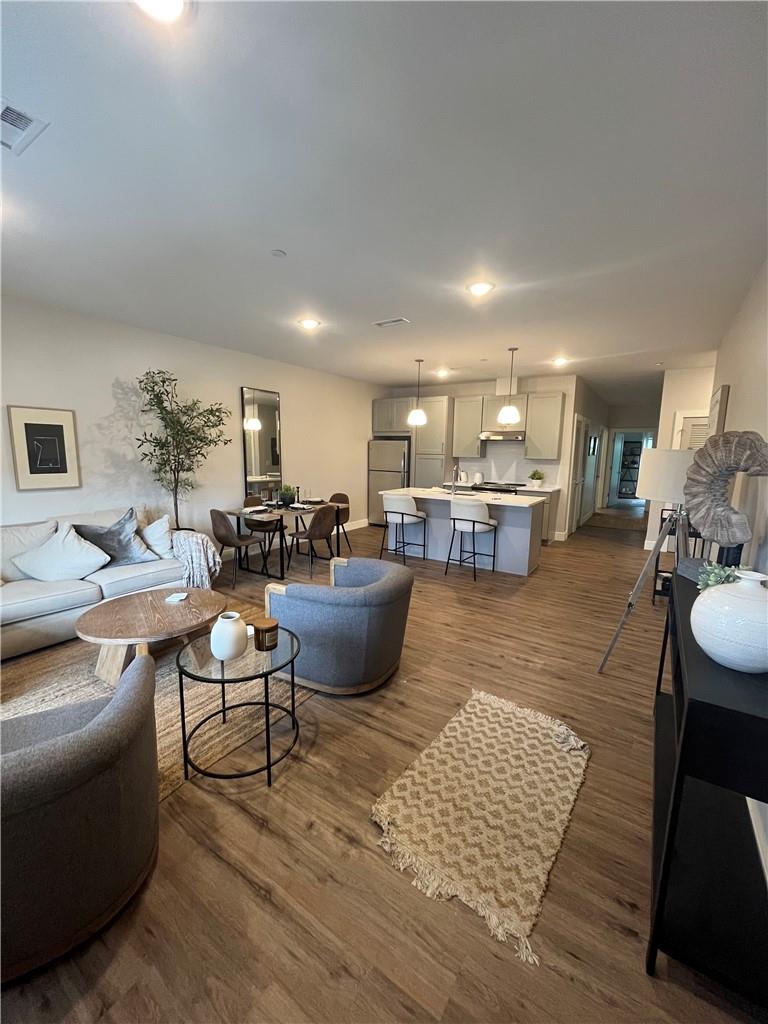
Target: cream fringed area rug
[(65, 675), (482, 812)]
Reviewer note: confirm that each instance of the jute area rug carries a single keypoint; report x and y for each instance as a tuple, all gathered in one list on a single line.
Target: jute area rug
[(65, 675), (482, 812)]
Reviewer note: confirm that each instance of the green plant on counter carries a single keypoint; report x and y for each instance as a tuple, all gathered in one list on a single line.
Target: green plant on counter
[(711, 574), (536, 474)]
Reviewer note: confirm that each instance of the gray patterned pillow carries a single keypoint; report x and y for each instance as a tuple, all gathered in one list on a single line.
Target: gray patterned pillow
[(120, 540)]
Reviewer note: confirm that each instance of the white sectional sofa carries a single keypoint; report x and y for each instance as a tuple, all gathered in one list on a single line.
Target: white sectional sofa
[(34, 613)]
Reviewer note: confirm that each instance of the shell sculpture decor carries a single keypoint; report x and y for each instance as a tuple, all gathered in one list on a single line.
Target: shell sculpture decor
[(706, 488)]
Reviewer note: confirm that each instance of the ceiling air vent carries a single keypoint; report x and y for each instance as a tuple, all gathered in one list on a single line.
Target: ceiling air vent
[(391, 323), (19, 129)]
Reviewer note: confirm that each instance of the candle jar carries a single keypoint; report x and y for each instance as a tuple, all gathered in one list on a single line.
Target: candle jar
[(265, 634)]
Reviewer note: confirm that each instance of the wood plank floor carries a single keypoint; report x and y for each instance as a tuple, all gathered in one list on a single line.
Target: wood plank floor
[(279, 906)]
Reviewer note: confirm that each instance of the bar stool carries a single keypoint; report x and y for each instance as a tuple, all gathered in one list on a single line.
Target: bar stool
[(470, 515), (400, 511)]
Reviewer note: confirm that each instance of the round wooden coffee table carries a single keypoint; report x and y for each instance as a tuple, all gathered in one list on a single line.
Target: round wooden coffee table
[(124, 626)]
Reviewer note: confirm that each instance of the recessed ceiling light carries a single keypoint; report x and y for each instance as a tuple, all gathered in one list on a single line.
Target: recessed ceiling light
[(480, 288), (162, 10), (659, 364), (279, 253), (308, 324), (560, 361), (442, 374)]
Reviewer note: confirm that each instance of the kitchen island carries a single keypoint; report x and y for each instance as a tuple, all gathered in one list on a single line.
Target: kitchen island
[(518, 535)]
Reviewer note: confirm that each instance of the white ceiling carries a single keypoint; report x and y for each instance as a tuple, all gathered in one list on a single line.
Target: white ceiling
[(603, 163)]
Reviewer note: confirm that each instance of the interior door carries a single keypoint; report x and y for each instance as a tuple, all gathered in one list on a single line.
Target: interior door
[(578, 463)]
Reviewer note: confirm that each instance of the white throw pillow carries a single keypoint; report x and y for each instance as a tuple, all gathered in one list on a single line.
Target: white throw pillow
[(64, 556), (15, 540), (157, 537)]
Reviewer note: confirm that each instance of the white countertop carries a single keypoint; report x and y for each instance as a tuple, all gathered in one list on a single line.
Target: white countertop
[(439, 494), (545, 489)]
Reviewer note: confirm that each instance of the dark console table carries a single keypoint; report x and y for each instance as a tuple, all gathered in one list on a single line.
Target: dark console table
[(710, 897)]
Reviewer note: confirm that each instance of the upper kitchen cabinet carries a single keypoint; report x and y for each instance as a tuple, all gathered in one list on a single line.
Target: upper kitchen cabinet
[(492, 406), (434, 437), (467, 424), (544, 426), (390, 415)]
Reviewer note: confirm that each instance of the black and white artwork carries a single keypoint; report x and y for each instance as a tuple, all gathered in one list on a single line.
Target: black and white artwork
[(44, 448)]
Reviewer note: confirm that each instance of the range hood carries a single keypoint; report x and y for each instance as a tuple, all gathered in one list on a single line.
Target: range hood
[(502, 434)]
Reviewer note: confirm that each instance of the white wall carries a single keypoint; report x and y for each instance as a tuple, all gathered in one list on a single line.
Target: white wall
[(742, 362), (56, 358), (684, 390)]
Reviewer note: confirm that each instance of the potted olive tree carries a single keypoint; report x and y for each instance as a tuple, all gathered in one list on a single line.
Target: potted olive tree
[(186, 432)]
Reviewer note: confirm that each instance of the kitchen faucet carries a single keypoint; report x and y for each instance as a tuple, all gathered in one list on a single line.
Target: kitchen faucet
[(454, 478)]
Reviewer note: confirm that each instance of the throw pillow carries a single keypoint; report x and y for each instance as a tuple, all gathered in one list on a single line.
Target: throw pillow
[(120, 540), (157, 537), (15, 540), (64, 556)]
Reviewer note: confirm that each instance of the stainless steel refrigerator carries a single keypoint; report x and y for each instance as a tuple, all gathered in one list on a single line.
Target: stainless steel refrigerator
[(389, 466)]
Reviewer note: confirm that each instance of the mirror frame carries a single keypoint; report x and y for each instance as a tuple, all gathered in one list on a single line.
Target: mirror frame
[(265, 391)]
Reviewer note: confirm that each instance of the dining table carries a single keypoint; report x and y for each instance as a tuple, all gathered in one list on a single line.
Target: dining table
[(279, 514)]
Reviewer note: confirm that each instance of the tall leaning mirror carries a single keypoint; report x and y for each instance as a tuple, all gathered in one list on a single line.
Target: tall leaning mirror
[(261, 441)]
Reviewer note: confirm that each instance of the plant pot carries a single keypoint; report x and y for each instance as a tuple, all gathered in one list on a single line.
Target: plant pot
[(730, 622), (229, 637), (535, 484), (287, 499)]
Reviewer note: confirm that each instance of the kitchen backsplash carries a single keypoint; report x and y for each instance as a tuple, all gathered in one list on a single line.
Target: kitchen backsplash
[(505, 461)]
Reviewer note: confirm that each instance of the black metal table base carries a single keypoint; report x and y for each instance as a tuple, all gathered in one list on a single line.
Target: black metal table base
[(221, 713)]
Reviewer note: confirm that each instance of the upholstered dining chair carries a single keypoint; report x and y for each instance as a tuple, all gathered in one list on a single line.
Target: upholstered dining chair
[(321, 527), (471, 515), (228, 537), (342, 499), (267, 527), (400, 512)]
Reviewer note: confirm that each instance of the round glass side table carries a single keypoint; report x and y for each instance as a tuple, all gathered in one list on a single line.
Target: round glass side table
[(195, 661)]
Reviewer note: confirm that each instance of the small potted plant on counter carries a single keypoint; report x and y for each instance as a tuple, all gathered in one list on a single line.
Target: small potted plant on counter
[(287, 495), (536, 477)]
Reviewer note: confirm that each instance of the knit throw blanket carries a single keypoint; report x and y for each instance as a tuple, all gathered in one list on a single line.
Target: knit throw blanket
[(201, 560)]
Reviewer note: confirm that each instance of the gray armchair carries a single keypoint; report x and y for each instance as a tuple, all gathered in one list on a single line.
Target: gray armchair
[(351, 632), (79, 818)]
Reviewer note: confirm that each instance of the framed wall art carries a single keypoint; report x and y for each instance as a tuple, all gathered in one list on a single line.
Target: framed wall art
[(44, 443), (718, 406)]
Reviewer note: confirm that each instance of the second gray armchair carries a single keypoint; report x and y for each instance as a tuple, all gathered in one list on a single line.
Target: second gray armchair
[(351, 632)]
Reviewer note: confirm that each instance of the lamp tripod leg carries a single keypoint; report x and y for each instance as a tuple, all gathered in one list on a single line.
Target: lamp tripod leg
[(647, 569)]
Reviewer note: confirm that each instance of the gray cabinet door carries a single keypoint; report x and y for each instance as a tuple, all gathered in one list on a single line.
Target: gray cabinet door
[(400, 409), (467, 424), (428, 471), (383, 412), (493, 404), (431, 439), (544, 427)]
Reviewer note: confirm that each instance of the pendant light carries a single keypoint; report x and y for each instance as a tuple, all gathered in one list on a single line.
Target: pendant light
[(252, 422), (509, 414), (417, 417)]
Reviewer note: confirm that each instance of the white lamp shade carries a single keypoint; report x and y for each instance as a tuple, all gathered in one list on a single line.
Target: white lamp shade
[(417, 418), (508, 414), (662, 474), (251, 423)]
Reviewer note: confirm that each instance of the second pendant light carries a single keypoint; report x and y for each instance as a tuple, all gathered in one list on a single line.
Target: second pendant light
[(509, 414), (417, 417)]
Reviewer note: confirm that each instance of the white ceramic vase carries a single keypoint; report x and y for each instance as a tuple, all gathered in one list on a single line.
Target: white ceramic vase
[(229, 637), (730, 622), (535, 484)]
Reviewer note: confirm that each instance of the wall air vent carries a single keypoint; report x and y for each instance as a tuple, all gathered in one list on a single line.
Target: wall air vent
[(19, 129), (391, 323)]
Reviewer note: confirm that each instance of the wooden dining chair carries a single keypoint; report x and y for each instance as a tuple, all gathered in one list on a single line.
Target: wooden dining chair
[(342, 499), (226, 535), (321, 527)]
